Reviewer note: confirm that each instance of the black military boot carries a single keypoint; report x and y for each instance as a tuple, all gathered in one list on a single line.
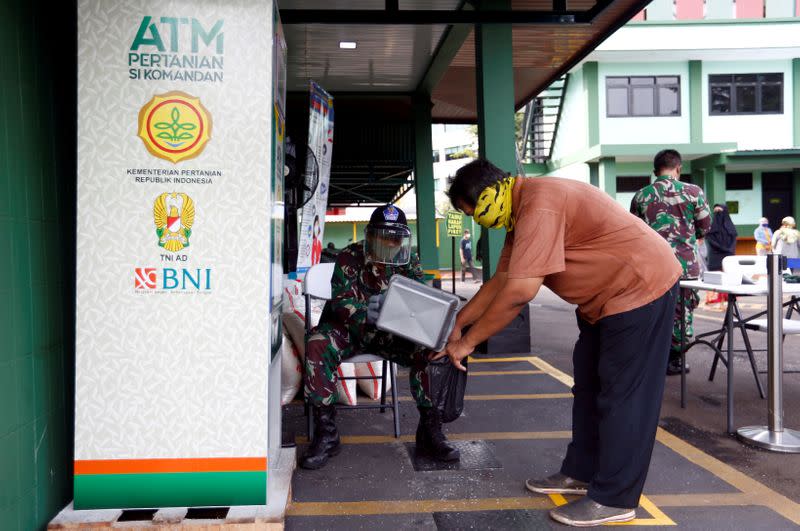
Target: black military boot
[(326, 439), (430, 439)]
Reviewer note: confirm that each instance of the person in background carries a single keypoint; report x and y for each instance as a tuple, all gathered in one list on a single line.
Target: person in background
[(679, 213), (720, 242), (786, 240), (721, 239), (763, 236), (466, 258)]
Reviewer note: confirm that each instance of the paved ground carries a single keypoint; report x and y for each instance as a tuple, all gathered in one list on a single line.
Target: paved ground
[(516, 425)]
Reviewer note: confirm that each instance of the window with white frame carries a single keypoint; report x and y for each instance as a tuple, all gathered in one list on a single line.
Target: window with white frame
[(628, 96)]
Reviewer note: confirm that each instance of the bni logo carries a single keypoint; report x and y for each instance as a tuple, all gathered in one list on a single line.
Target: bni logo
[(172, 279), (145, 278)]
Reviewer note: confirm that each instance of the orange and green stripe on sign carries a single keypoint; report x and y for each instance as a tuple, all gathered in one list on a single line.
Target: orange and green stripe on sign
[(131, 483)]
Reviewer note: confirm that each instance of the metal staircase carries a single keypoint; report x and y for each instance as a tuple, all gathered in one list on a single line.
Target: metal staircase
[(540, 122)]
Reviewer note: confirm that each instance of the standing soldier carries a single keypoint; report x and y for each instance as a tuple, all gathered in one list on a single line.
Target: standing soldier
[(679, 213), (347, 327)]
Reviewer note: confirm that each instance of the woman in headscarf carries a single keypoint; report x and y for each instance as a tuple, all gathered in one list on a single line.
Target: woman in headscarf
[(785, 240), (721, 239)]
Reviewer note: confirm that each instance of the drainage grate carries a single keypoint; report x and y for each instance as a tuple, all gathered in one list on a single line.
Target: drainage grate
[(137, 515), (475, 455), (207, 513)]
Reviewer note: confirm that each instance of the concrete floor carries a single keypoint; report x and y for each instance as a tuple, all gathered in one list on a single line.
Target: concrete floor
[(516, 425)]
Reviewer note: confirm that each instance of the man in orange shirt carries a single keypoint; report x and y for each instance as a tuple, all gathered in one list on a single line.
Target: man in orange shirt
[(577, 241)]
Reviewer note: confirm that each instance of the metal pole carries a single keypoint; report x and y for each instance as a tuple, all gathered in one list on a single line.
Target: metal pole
[(729, 327), (775, 343), (454, 264), (774, 436), (683, 345)]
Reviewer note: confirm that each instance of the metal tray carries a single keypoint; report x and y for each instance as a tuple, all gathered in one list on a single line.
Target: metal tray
[(418, 312)]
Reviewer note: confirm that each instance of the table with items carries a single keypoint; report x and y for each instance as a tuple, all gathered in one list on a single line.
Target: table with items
[(733, 320)]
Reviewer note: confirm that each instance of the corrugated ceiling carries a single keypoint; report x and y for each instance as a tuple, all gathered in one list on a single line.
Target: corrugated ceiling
[(374, 134), (387, 59)]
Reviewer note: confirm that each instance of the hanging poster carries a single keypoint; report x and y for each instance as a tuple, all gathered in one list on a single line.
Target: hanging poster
[(320, 142)]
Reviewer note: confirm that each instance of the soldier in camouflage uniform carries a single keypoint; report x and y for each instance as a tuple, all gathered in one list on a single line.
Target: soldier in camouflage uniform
[(346, 328), (679, 213)]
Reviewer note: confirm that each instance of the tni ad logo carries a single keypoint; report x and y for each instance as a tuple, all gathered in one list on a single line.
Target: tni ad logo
[(174, 217)]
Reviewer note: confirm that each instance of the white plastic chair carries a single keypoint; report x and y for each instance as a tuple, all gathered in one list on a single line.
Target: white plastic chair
[(317, 285), (749, 266), (745, 265)]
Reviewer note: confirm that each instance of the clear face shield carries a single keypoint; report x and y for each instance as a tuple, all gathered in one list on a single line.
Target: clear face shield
[(388, 244)]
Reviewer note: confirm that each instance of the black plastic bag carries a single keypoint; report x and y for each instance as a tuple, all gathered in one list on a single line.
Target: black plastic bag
[(447, 386)]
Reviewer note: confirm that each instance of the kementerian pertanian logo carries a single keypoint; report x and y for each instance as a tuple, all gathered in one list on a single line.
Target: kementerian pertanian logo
[(173, 214), (174, 126)]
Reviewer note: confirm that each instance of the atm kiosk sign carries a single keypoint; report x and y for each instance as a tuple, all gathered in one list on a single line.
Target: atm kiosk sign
[(177, 49), (174, 252)]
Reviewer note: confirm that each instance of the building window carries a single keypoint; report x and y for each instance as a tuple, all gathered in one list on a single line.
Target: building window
[(738, 181), (643, 96), (745, 94), (435, 156), (627, 183)]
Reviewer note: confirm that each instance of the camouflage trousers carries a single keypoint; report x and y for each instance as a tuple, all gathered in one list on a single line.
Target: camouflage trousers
[(690, 300), (327, 347)]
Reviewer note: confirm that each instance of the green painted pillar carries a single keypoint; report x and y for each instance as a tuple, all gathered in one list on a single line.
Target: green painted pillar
[(715, 184), (496, 127), (424, 184), (796, 100), (591, 86), (607, 175), (594, 174), (699, 178), (696, 102)]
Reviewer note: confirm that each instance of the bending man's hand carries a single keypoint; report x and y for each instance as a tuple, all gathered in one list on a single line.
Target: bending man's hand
[(456, 351)]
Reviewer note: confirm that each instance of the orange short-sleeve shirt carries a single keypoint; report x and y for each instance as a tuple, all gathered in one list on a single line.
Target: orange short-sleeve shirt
[(590, 250)]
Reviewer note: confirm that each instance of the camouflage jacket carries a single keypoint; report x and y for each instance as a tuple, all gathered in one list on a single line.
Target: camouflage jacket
[(355, 280), (679, 213)]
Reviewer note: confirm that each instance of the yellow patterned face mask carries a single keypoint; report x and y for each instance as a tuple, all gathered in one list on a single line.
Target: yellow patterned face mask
[(493, 208)]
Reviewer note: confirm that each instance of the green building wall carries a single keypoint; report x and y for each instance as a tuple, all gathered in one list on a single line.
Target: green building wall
[(37, 220)]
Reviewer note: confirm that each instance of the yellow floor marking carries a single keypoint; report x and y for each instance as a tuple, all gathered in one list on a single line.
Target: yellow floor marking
[(559, 375), (502, 373), (704, 500), (753, 492), (415, 506), (499, 360), (537, 396), (766, 496), (657, 518), (484, 436), (533, 396)]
